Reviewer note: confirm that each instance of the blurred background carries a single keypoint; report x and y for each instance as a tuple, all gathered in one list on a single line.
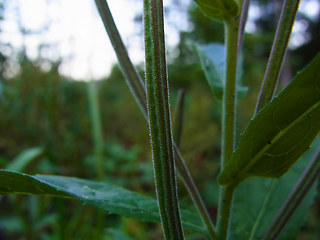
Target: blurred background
[(57, 65)]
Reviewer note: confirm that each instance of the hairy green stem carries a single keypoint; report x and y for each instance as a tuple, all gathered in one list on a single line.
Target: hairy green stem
[(178, 117), (134, 82), (308, 178), (159, 120), (228, 123), (280, 43), (132, 77)]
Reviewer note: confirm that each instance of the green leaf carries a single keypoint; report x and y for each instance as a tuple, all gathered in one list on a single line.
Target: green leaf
[(213, 62), (101, 195), (281, 132), (24, 158), (258, 200), (219, 9)]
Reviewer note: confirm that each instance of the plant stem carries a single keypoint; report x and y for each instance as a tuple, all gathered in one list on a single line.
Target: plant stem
[(228, 123), (159, 120), (134, 82), (243, 21), (224, 210), (95, 118), (288, 14), (178, 117), (132, 77), (308, 178), (229, 96), (96, 128), (194, 193)]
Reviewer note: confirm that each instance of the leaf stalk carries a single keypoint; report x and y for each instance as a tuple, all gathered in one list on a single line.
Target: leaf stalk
[(194, 193), (131, 75), (308, 178), (280, 43)]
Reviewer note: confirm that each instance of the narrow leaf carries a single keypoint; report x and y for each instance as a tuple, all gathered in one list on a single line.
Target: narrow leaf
[(101, 195), (258, 200), (213, 62), (281, 132), (219, 9), (24, 158)]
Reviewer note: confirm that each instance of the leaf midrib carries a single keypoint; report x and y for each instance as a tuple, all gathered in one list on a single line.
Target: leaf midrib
[(262, 210), (277, 136)]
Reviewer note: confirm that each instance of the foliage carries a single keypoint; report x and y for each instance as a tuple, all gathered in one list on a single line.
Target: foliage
[(50, 126), (212, 61), (280, 133)]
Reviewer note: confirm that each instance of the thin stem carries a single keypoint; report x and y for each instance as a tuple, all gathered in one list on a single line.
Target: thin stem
[(132, 77), (97, 135), (243, 21), (228, 123), (308, 178), (178, 117), (194, 193), (96, 128), (229, 96), (159, 120), (224, 210), (288, 14)]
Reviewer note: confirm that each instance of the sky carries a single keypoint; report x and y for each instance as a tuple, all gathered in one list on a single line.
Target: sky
[(75, 33)]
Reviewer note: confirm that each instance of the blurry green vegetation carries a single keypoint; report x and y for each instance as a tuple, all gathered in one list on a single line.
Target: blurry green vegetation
[(41, 108)]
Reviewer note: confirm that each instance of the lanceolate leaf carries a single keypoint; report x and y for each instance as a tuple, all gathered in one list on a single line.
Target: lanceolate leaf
[(281, 132), (219, 9), (213, 62), (258, 200), (101, 195)]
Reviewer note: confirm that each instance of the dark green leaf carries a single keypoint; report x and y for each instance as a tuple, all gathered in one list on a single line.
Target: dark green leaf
[(213, 62), (281, 132), (257, 201), (101, 195), (219, 9)]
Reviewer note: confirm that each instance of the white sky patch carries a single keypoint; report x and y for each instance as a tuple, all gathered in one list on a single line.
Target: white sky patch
[(73, 31), (310, 8), (298, 37)]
